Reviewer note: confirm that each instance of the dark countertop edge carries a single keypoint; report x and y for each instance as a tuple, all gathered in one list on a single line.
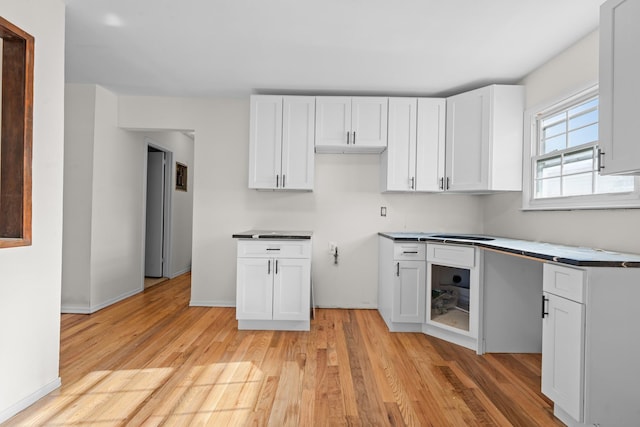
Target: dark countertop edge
[(284, 236), (498, 248)]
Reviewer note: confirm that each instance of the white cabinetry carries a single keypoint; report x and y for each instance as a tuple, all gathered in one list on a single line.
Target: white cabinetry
[(589, 353), (351, 124), (563, 338), (414, 159), (619, 87), (281, 154), (273, 284), (401, 287), (453, 289), (484, 140)]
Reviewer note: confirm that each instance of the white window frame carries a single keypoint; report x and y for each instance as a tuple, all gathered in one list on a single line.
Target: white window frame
[(592, 201)]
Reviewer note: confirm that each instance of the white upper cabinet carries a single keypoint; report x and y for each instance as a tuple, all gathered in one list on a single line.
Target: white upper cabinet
[(484, 140), (351, 124), (414, 159), (281, 155), (619, 87)]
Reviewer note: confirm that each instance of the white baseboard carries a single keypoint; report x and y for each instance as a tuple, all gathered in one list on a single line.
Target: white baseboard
[(114, 300), (75, 309), (180, 272), (29, 400), (196, 303)]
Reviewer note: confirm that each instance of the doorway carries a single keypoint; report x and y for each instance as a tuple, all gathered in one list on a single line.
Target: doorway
[(157, 215)]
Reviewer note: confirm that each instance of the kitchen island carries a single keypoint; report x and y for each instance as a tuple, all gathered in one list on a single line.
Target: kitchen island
[(575, 305)]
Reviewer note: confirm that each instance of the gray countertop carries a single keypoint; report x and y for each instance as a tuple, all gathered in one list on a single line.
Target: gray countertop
[(572, 255), (271, 234)]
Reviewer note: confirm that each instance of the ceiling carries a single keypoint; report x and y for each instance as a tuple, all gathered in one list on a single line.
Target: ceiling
[(198, 48)]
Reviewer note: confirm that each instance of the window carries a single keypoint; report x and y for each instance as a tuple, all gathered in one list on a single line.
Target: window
[(16, 122), (563, 168)]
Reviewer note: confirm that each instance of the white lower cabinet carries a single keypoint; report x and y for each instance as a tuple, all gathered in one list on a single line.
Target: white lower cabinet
[(401, 287), (563, 353), (273, 285), (408, 292), (589, 351)]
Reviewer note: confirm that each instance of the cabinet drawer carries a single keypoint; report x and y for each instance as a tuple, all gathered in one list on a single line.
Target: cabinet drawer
[(564, 281), (463, 256), (274, 248), (409, 251)]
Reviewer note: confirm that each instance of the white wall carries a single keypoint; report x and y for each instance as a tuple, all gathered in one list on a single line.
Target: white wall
[(344, 207), (105, 179), (30, 279), (79, 126), (616, 230), (117, 207)]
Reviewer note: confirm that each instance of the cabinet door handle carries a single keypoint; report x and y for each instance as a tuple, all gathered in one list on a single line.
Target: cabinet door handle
[(354, 137), (398, 269), (600, 159), (544, 313), (348, 135), (269, 267), (413, 182), (276, 266), (447, 184), (442, 183), (277, 181), (283, 178)]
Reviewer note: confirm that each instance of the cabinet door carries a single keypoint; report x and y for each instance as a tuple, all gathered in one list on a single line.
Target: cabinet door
[(430, 144), (265, 141), (400, 157), (563, 354), (297, 142), (254, 293), (369, 122), (409, 292), (467, 138), (333, 121), (619, 86), (292, 289)]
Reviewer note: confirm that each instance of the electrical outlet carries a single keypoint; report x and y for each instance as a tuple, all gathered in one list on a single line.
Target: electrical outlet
[(383, 211)]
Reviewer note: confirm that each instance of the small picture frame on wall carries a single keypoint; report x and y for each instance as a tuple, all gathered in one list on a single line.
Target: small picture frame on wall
[(181, 177)]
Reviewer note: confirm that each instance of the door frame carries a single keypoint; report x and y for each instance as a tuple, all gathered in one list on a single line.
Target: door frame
[(168, 203)]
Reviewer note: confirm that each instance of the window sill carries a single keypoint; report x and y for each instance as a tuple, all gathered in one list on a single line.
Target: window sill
[(631, 201)]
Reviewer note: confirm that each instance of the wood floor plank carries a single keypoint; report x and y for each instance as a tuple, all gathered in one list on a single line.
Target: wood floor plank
[(152, 360)]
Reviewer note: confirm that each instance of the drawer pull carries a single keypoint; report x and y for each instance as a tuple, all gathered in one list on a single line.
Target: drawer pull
[(273, 249), (409, 252), (544, 313)]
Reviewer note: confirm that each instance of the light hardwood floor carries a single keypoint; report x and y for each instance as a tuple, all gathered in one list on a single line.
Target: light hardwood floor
[(152, 360)]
